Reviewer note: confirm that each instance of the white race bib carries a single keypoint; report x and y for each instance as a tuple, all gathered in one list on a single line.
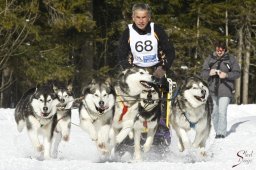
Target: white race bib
[(144, 48)]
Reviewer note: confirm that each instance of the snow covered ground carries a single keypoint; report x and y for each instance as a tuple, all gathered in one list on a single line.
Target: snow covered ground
[(238, 148)]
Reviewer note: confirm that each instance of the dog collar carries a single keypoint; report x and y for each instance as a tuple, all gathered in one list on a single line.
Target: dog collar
[(191, 124)]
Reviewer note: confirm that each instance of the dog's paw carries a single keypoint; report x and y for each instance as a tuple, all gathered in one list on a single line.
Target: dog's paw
[(94, 137), (137, 158), (40, 148), (103, 148), (180, 147), (119, 139), (202, 152), (47, 157), (131, 135), (101, 145), (195, 145), (55, 154), (146, 148), (66, 138)]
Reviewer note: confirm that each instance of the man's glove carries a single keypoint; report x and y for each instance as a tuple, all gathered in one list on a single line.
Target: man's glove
[(159, 72)]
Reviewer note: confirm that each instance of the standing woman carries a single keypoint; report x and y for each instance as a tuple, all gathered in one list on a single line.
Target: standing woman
[(220, 69)]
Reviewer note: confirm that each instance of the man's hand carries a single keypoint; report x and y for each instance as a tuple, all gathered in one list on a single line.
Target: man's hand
[(159, 72)]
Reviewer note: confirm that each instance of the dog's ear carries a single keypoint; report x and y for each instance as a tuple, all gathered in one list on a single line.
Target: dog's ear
[(93, 82), (85, 90), (108, 82), (69, 87), (35, 94), (125, 71), (55, 88)]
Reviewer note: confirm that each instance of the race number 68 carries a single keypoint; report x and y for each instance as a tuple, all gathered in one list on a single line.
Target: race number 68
[(147, 46)]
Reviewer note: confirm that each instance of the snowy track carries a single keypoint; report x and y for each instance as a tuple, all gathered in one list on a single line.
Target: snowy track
[(80, 153)]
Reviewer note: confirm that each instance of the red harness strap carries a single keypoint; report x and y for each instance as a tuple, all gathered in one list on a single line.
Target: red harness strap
[(145, 124), (124, 111)]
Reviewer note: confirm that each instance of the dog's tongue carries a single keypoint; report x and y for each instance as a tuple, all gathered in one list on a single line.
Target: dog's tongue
[(105, 108), (102, 109), (201, 98), (145, 84), (44, 114)]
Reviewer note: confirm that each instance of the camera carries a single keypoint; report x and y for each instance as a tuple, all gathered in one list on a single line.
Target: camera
[(217, 71)]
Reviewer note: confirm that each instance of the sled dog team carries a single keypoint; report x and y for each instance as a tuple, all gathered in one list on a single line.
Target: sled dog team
[(109, 112)]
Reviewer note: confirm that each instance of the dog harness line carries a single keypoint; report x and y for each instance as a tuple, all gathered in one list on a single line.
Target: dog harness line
[(124, 111), (125, 107)]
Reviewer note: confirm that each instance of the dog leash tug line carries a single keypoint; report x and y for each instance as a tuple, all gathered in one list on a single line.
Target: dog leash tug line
[(121, 105)]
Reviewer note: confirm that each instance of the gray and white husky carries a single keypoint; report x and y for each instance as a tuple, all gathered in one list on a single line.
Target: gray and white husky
[(96, 112), (131, 82), (37, 111), (65, 96), (146, 120), (192, 110)]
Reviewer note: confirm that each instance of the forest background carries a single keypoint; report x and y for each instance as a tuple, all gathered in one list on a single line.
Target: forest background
[(44, 40)]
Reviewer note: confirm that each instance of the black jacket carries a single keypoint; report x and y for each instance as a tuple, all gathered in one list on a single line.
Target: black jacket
[(163, 44)]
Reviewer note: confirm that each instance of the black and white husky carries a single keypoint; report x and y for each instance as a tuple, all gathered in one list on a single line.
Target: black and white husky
[(131, 83), (192, 110), (37, 111), (146, 120), (96, 112), (62, 131)]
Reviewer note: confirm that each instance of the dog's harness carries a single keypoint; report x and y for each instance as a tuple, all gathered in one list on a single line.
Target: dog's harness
[(61, 108), (40, 119), (191, 124), (97, 115), (122, 103), (142, 112)]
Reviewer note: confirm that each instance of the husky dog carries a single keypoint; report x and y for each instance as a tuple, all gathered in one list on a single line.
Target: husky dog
[(96, 112), (62, 130), (37, 111), (191, 110), (146, 119), (131, 83)]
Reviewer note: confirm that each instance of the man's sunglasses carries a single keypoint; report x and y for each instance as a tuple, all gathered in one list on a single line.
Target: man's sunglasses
[(219, 50)]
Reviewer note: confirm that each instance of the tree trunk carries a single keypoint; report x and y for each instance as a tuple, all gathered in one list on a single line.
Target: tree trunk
[(198, 31), (87, 54), (239, 60), (1, 92), (226, 27), (246, 66)]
